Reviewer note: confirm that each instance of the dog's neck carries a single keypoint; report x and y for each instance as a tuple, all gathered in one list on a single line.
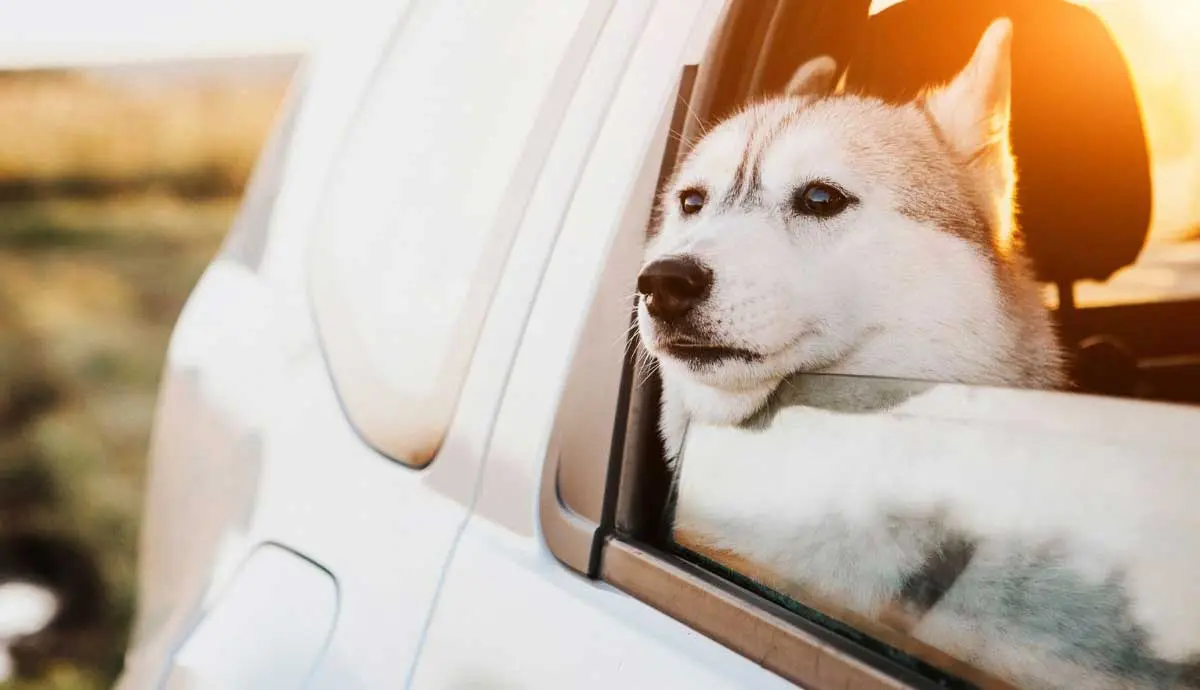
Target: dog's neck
[(685, 400), (718, 406)]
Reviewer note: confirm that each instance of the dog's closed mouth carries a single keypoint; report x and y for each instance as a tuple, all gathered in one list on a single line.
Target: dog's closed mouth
[(698, 352)]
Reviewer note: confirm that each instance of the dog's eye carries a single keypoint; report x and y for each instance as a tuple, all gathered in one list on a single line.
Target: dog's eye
[(819, 199), (691, 201)]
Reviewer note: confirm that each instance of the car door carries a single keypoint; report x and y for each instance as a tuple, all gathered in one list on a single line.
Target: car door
[(510, 615), (361, 364), (413, 244)]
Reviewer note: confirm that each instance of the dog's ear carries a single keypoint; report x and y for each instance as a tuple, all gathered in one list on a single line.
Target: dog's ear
[(973, 109), (813, 78)]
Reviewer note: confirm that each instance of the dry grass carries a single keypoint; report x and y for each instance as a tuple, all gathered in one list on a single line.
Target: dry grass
[(67, 127)]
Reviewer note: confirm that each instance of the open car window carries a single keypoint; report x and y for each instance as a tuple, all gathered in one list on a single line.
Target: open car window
[(918, 522)]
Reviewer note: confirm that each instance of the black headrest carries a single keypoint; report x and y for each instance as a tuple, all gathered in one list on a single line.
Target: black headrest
[(1083, 185)]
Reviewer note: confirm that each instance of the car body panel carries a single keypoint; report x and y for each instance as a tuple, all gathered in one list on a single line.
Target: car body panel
[(253, 445)]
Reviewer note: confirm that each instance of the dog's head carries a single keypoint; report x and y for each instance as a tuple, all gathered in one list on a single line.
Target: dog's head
[(804, 228)]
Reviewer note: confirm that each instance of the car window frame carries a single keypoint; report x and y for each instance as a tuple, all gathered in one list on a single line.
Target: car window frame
[(246, 241)]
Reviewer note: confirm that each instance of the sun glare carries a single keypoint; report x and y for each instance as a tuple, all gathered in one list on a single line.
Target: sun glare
[(1157, 38)]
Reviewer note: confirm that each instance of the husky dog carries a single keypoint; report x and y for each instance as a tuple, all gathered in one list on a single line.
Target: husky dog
[(824, 232)]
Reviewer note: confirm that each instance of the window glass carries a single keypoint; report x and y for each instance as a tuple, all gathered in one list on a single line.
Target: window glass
[(247, 238), (423, 202), (1042, 539)]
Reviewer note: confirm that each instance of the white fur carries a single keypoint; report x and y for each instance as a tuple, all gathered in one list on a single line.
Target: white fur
[(870, 291), (1032, 479)]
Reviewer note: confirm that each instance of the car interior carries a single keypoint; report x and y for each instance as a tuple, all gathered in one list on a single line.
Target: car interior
[(1085, 197)]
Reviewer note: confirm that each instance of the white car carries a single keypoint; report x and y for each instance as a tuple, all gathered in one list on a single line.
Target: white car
[(401, 441)]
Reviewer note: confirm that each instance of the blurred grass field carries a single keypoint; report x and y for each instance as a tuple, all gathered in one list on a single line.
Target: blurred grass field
[(116, 189), (78, 133)]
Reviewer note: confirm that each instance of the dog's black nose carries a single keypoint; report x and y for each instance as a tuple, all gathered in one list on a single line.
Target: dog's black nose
[(670, 287)]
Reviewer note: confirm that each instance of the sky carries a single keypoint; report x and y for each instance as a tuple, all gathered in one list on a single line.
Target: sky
[(58, 32), (54, 33)]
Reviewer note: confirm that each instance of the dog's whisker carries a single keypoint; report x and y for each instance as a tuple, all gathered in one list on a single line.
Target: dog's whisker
[(691, 112), (647, 373), (639, 354), (629, 335), (679, 137), (630, 339)]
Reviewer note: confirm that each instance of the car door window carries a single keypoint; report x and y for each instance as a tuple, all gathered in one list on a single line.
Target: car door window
[(424, 199)]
